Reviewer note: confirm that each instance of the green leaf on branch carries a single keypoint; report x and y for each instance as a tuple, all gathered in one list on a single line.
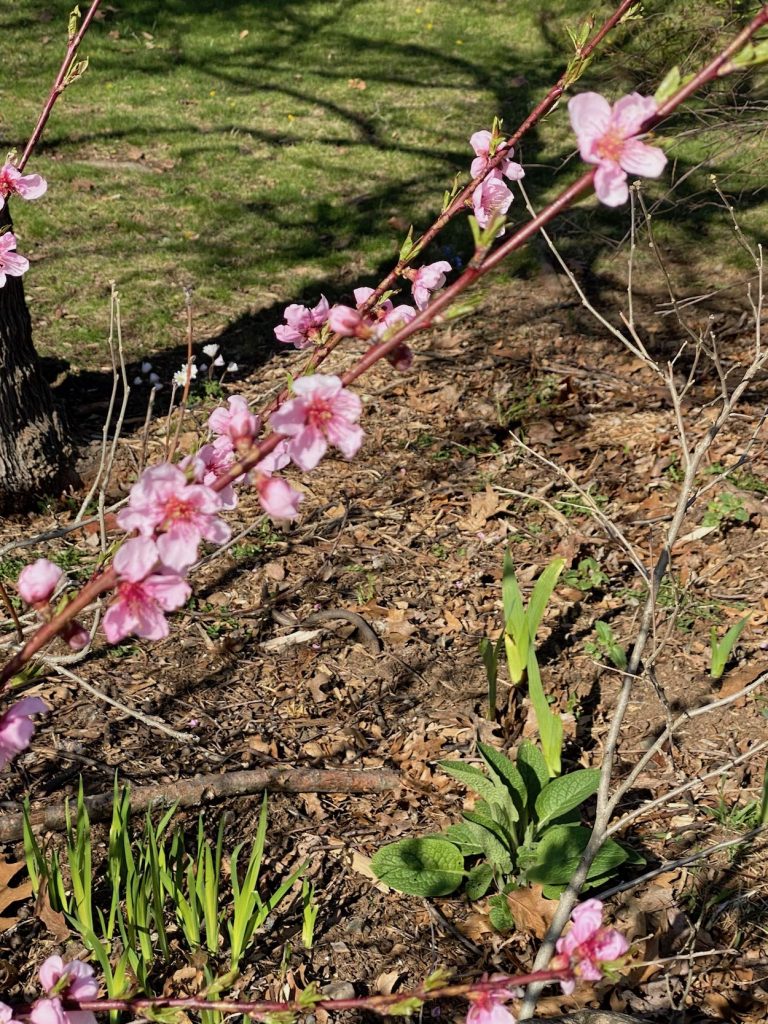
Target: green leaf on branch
[(564, 794), (74, 18), (439, 977), (76, 71), (406, 249), (532, 766), (669, 85), (752, 55), (420, 867), (406, 1007)]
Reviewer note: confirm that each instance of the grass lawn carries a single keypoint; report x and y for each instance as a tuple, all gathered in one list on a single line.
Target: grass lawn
[(261, 152)]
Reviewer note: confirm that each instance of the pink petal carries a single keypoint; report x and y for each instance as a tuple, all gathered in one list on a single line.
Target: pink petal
[(362, 295), (290, 336), (50, 972), (347, 437), (590, 115), (178, 547), (481, 143), (611, 184), (290, 418), (587, 919), (307, 448), (278, 498), (320, 312), (136, 559), (7, 241), (344, 320), (326, 385), (631, 112), (170, 591), (14, 264), (639, 158), (119, 622), (31, 186), (48, 1011)]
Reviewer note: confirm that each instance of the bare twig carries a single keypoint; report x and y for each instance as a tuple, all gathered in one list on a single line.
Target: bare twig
[(192, 792), (150, 720)]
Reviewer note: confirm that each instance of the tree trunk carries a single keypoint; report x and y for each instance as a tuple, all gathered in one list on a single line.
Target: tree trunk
[(35, 455)]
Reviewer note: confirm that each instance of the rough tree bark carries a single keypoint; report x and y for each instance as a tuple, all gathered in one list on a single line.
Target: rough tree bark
[(35, 455)]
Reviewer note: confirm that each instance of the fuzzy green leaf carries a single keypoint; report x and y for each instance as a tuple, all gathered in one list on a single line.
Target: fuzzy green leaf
[(561, 795), (421, 867)]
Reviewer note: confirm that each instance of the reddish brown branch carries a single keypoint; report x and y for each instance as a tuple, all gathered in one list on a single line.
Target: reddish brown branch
[(59, 83)]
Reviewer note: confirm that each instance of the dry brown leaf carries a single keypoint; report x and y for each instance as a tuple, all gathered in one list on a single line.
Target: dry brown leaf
[(11, 894), (532, 913), (362, 865), (52, 919)]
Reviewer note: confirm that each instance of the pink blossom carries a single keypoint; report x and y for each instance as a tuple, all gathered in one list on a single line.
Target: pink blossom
[(488, 1007), (73, 980), (607, 137), (138, 608), (345, 320), (48, 1011), (11, 264), (481, 143), (163, 501), (394, 319), (6, 1015), (277, 497), (588, 945), (322, 412), (38, 581), (428, 278), (237, 422), (13, 182), (211, 462), (277, 459), (17, 727), (491, 199), (302, 324)]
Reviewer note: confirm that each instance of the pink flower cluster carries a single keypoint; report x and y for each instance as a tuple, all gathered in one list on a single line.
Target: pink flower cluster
[(303, 325), (61, 981), (492, 197), (172, 509), (588, 946), (607, 136), (27, 186)]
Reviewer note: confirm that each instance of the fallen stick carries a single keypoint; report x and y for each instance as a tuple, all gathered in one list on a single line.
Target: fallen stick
[(205, 788)]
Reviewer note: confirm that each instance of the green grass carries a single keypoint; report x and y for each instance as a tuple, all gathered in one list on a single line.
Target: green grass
[(228, 146)]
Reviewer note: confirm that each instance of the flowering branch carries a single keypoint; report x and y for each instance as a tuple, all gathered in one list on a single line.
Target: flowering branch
[(62, 80), (72, 990), (382, 1004), (460, 202)]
